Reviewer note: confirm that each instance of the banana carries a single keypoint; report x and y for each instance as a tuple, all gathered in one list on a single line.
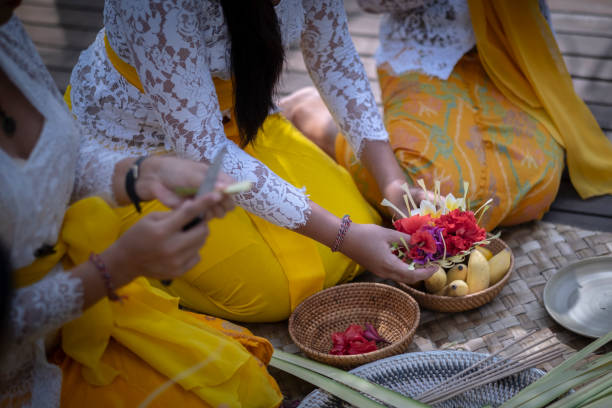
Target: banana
[(457, 288), (499, 265), (436, 281), (478, 275), (457, 272), (485, 251)]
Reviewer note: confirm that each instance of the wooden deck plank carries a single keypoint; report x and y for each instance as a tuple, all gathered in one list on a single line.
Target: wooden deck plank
[(568, 200), (95, 5), (589, 222), (603, 114), (582, 24), (594, 91), (588, 67), (58, 37), (584, 45), (588, 7), (50, 16)]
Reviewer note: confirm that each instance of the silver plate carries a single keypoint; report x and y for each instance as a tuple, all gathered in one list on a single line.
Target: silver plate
[(579, 296)]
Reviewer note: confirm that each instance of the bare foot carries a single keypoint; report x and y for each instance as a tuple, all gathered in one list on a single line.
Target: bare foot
[(308, 113)]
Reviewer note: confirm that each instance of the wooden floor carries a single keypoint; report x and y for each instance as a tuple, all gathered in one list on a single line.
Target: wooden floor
[(61, 29)]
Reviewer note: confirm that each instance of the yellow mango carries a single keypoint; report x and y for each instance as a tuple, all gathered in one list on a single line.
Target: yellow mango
[(457, 272), (478, 275), (457, 288), (499, 265), (436, 282)]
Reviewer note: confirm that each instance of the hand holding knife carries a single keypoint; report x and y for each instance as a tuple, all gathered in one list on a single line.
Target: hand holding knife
[(207, 186)]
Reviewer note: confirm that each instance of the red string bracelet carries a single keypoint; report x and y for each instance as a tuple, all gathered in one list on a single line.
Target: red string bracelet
[(108, 283), (344, 227)]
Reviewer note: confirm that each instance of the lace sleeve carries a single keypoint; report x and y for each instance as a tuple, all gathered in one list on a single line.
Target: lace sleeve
[(170, 57), (45, 306), (337, 71), (390, 6), (94, 170)]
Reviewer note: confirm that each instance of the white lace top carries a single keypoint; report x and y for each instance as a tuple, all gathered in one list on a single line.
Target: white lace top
[(177, 47), (428, 36), (35, 194)]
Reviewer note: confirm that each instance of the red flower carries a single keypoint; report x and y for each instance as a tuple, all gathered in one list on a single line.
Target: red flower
[(460, 231), (410, 225), (351, 341), (423, 240), (360, 347)]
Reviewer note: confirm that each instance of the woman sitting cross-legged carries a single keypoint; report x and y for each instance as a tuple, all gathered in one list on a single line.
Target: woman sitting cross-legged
[(476, 91), (196, 77), (79, 267)]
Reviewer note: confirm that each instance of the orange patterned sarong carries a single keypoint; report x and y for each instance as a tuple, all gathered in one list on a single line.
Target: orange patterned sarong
[(464, 129)]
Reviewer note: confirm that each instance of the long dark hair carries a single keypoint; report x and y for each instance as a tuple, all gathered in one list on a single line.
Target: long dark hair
[(257, 57)]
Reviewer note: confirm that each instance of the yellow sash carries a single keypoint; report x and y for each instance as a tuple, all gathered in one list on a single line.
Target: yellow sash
[(520, 54), (149, 323), (298, 257)]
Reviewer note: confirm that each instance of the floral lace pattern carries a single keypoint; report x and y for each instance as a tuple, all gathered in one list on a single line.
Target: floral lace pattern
[(428, 36), (35, 194), (176, 48)]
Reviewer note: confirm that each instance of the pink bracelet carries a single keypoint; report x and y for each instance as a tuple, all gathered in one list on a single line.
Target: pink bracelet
[(344, 227), (101, 268)]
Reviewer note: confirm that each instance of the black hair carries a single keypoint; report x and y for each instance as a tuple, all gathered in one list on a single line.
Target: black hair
[(257, 58)]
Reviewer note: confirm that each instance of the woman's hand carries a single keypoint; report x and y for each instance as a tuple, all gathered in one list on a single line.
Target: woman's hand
[(157, 247), (394, 192), (161, 175), (370, 246)]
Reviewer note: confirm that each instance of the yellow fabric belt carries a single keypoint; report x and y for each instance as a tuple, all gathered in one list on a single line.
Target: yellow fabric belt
[(520, 54)]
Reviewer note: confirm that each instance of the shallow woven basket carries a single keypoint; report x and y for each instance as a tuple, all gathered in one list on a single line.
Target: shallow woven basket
[(413, 373), (393, 313), (467, 302)]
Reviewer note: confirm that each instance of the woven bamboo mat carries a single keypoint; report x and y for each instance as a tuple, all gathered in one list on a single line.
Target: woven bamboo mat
[(540, 249)]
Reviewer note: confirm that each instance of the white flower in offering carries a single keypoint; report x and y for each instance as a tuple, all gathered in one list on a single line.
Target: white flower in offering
[(451, 203)]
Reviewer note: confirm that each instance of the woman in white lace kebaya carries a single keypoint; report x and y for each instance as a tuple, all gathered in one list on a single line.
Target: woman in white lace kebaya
[(114, 326), (476, 91), (158, 77)]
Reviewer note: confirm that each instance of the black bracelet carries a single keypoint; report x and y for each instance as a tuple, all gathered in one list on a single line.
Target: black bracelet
[(130, 182)]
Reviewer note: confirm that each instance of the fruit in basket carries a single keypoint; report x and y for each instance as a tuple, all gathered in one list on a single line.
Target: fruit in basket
[(499, 265), (441, 292), (485, 251), (437, 281), (457, 288), (457, 272), (478, 274)]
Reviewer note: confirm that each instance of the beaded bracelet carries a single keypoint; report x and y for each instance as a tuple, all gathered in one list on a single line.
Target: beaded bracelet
[(101, 268), (344, 227)]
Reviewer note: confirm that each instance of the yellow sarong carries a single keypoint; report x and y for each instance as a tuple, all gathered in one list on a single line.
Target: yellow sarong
[(214, 363), (251, 269)]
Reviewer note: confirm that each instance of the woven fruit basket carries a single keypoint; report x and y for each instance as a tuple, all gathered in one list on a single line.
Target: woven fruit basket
[(393, 313), (467, 302)]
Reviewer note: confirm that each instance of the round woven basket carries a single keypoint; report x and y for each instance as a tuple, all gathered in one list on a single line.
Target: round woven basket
[(393, 313), (467, 302), (413, 373)]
